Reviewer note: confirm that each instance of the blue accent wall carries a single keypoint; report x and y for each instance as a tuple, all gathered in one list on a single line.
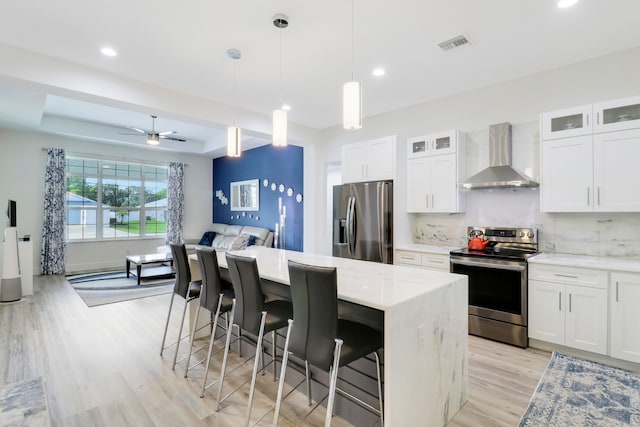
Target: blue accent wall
[(282, 166)]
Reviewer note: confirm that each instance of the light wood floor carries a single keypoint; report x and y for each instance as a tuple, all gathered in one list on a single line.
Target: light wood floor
[(101, 367)]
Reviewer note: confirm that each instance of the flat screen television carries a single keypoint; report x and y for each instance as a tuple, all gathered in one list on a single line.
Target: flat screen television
[(11, 213)]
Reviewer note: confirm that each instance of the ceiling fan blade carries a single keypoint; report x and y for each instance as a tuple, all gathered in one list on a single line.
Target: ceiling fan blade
[(133, 134), (136, 129), (169, 132), (172, 139)]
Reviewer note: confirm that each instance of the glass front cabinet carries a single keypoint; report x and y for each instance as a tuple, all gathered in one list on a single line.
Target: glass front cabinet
[(621, 114)]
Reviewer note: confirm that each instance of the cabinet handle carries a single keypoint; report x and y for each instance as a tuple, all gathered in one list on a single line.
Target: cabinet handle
[(433, 202), (559, 301), (587, 116), (569, 303), (565, 275), (366, 168), (598, 196), (616, 291), (362, 171), (427, 199), (588, 198)]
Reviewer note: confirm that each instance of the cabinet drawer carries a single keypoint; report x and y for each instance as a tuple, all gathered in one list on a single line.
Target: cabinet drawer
[(569, 275), (441, 262), (408, 258)]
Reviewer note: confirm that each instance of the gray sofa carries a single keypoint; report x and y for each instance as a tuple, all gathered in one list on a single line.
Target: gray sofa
[(229, 237)]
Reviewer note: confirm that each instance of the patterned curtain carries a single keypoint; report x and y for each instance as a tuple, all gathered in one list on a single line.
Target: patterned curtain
[(52, 255), (175, 202)]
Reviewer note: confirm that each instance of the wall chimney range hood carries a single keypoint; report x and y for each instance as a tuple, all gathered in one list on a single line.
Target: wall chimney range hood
[(500, 173)]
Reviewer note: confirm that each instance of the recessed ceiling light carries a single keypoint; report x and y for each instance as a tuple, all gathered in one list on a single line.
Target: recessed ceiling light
[(566, 3), (108, 51), (379, 72), (286, 107)]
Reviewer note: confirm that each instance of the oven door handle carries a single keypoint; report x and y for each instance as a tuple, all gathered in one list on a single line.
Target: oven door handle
[(496, 265)]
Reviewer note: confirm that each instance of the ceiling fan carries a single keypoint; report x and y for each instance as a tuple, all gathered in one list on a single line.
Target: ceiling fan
[(153, 137)]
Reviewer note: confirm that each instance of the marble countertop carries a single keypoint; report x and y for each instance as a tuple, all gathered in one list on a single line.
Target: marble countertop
[(376, 285), (431, 249), (631, 264)]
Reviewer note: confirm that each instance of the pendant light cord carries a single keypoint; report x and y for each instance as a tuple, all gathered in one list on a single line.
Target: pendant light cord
[(353, 49), (235, 90), (280, 90)]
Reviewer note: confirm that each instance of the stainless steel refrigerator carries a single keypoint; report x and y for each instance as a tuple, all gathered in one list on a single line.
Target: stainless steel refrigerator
[(363, 221)]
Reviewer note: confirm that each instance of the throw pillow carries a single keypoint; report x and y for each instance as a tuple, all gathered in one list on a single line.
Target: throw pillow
[(207, 238), (240, 242), (252, 241)]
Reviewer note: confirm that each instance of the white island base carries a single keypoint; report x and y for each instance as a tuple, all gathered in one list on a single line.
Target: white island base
[(424, 316)]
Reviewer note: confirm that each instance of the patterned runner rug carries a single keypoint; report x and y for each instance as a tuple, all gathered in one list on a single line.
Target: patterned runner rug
[(110, 287), (577, 392)]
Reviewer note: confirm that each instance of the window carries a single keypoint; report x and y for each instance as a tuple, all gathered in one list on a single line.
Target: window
[(115, 200)]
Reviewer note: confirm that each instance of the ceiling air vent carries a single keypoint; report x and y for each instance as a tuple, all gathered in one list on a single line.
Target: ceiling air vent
[(453, 43)]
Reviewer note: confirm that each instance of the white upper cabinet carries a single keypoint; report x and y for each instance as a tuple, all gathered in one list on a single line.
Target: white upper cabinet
[(566, 123), (621, 114), (434, 171), (369, 161), (433, 144), (588, 161), (567, 175)]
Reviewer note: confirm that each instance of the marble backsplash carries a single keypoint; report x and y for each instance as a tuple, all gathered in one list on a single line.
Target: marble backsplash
[(595, 234)]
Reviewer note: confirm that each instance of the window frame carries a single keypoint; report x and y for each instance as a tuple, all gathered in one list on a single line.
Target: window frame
[(99, 176)]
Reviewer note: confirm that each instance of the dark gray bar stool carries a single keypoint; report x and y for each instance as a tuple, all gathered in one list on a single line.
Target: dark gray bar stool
[(185, 289), (213, 298), (252, 314), (319, 337)]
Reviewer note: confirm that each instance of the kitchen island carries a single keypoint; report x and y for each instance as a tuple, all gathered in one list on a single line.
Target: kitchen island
[(424, 317)]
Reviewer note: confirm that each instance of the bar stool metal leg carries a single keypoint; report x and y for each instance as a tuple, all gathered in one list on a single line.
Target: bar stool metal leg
[(184, 313), (308, 378), (333, 382), (255, 367), (380, 398), (224, 358), (193, 334), (166, 326), (285, 360)]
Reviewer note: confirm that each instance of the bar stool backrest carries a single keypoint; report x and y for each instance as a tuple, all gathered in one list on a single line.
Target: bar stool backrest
[(183, 273), (248, 292), (211, 280), (314, 293)]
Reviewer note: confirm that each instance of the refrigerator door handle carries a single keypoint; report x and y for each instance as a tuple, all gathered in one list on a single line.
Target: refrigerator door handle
[(381, 220), (350, 225)]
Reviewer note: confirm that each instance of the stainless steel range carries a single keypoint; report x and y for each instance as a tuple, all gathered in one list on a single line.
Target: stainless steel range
[(496, 263)]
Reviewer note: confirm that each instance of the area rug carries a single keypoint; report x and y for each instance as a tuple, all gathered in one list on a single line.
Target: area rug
[(24, 404), (111, 287), (577, 392)]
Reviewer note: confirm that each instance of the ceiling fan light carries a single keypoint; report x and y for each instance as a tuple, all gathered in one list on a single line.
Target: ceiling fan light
[(153, 139), (234, 138), (352, 105), (279, 128)]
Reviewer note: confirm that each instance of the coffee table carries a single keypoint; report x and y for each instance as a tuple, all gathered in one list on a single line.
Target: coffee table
[(158, 258)]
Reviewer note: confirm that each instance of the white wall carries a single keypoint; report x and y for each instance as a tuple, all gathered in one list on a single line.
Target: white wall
[(22, 165), (519, 102)]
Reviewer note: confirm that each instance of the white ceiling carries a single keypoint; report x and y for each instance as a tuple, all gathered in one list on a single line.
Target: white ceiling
[(181, 47)]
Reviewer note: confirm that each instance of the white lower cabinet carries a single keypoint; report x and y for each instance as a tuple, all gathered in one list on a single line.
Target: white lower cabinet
[(625, 316), (568, 306), (422, 259)]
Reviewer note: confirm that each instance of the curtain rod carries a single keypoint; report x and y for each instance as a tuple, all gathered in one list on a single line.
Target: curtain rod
[(101, 157)]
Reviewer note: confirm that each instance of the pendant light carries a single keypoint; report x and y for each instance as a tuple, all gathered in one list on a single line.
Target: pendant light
[(352, 91), (234, 133), (279, 131)]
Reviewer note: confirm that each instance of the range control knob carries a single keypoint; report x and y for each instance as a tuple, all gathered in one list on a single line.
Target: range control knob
[(530, 234), (522, 233)]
